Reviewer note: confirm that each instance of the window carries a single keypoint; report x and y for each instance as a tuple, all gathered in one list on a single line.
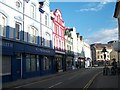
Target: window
[(3, 25), (33, 34), (6, 65), (33, 8), (101, 56), (46, 19), (59, 44), (27, 63), (47, 39), (17, 30), (33, 64), (38, 66), (98, 57), (46, 63)]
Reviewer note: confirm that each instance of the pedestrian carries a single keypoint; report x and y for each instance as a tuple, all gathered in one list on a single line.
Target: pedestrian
[(114, 67), (77, 65)]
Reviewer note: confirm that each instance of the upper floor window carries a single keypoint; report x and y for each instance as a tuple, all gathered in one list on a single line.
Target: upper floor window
[(33, 11), (46, 19), (47, 41), (33, 34), (17, 30), (3, 25)]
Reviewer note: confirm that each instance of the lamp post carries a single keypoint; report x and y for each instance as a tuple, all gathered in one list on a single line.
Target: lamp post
[(104, 51)]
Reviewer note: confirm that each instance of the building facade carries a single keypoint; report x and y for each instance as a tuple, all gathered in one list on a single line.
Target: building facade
[(59, 40), (69, 48), (80, 51), (117, 15), (74, 36), (99, 57), (23, 55)]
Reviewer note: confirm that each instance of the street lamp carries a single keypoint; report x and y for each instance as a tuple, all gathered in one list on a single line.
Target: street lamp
[(104, 51)]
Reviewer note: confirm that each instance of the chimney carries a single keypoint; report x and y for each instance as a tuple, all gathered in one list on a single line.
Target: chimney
[(81, 38)]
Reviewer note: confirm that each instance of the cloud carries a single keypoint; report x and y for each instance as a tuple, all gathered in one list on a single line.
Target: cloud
[(95, 7), (103, 36)]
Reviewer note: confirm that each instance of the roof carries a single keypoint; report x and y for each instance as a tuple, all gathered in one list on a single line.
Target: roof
[(117, 9), (103, 45)]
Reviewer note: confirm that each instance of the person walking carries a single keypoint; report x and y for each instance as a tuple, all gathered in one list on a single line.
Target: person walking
[(114, 67)]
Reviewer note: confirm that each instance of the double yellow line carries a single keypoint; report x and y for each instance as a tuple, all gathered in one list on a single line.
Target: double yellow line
[(91, 81)]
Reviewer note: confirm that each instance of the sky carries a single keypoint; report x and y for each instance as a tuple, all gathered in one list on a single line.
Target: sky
[(93, 20)]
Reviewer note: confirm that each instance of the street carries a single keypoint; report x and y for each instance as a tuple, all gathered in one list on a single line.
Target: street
[(76, 79)]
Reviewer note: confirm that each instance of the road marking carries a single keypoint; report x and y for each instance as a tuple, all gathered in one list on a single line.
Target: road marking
[(90, 82), (55, 85)]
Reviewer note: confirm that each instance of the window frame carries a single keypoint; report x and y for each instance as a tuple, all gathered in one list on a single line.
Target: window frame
[(33, 11), (3, 31), (17, 32)]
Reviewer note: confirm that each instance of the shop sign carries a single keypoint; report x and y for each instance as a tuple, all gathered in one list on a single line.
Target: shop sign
[(7, 44)]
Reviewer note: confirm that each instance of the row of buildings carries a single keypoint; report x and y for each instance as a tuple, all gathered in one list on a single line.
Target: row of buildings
[(36, 42)]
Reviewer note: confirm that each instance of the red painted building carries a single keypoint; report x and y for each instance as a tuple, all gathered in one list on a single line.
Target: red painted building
[(58, 39)]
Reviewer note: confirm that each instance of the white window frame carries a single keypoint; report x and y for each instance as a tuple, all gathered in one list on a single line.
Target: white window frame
[(47, 39), (33, 34), (17, 32), (33, 12), (46, 19), (3, 26)]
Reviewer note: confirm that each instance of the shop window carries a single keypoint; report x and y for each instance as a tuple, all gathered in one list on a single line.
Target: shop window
[(33, 64), (6, 65), (46, 63), (27, 63), (38, 65), (3, 20)]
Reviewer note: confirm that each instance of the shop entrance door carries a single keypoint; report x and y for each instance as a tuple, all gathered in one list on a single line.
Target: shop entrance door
[(18, 66)]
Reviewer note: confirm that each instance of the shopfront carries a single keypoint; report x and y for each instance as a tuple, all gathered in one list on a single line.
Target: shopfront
[(21, 60), (60, 61)]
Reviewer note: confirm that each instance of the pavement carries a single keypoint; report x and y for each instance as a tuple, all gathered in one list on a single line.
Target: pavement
[(101, 81)]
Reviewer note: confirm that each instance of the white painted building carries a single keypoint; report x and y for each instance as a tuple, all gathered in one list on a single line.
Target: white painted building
[(25, 29), (87, 51)]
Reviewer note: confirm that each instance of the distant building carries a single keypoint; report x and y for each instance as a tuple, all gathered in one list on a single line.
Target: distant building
[(69, 48), (113, 53), (88, 59), (97, 54)]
